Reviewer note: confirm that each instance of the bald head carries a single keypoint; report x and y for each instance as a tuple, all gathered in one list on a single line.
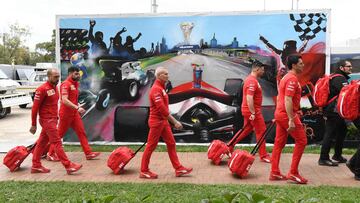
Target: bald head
[(50, 71), (53, 75), (162, 74)]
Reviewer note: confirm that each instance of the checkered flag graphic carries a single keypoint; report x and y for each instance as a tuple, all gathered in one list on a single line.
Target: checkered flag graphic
[(308, 25)]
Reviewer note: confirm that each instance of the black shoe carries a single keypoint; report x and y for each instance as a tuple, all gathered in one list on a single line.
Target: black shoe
[(357, 177), (328, 162), (339, 159), (350, 167)]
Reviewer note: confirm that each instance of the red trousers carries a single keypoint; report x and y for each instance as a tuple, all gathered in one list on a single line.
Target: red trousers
[(257, 125), (77, 125), (282, 123), (49, 133), (162, 130)]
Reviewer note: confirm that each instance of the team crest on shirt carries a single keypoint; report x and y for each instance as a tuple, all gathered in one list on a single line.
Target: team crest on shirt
[(72, 87), (50, 92)]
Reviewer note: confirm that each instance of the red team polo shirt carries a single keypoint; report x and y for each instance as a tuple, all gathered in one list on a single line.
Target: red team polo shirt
[(289, 86), (70, 88), (253, 88), (45, 102), (159, 103)]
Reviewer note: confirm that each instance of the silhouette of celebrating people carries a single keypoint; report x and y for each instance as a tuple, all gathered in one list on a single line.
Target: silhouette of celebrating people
[(118, 48), (129, 44), (98, 46)]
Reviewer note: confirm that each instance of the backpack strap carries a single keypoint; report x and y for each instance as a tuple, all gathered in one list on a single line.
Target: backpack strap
[(332, 76)]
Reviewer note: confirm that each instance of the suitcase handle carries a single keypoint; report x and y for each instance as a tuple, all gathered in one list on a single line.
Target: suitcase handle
[(262, 139), (31, 147), (139, 148), (238, 133)]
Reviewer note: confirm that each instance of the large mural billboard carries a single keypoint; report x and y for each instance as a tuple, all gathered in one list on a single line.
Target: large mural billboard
[(207, 55)]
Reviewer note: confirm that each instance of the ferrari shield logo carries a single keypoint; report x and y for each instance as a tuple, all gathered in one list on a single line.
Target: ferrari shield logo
[(50, 92)]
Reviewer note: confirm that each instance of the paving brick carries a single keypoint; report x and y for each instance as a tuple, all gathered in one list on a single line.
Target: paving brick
[(204, 171)]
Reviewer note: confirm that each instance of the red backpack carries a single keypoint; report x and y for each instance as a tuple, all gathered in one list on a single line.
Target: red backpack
[(348, 102), (322, 91)]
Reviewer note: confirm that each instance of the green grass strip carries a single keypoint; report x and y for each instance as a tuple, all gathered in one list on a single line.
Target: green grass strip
[(154, 60), (13, 191)]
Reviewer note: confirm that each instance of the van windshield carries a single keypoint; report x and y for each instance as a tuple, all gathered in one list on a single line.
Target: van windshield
[(3, 75)]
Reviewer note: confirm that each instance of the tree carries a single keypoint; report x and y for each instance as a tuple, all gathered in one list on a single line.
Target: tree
[(46, 50), (13, 47)]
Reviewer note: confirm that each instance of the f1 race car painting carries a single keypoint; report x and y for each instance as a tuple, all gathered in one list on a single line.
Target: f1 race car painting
[(122, 80), (206, 112)]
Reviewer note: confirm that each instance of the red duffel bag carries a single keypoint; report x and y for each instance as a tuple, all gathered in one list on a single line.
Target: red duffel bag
[(16, 156), (241, 161), (217, 149), (120, 157)]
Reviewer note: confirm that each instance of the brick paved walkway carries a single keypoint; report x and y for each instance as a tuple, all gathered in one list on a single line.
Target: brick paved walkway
[(204, 172)]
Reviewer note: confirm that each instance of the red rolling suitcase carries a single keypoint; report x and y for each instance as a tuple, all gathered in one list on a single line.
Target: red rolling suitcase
[(16, 156), (120, 157), (241, 161), (217, 149)]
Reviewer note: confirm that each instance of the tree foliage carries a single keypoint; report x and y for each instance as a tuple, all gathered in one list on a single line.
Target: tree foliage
[(13, 48)]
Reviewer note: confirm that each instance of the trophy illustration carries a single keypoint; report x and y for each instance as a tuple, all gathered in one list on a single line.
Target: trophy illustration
[(186, 28)]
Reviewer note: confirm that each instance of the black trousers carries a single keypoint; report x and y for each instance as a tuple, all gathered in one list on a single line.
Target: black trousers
[(355, 159), (335, 127)]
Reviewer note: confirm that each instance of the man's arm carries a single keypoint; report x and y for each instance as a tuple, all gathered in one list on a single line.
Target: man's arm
[(158, 99), (303, 46), (38, 100), (290, 88), (91, 36), (138, 36), (65, 100), (269, 45), (290, 112), (250, 103), (249, 92), (175, 122)]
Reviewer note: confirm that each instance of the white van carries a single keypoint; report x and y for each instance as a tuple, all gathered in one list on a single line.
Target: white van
[(9, 96)]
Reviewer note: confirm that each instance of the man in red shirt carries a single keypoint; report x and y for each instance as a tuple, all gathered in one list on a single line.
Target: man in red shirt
[(288, 122), (70, 114), (159, 119), (46, 104), (251, 109)]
